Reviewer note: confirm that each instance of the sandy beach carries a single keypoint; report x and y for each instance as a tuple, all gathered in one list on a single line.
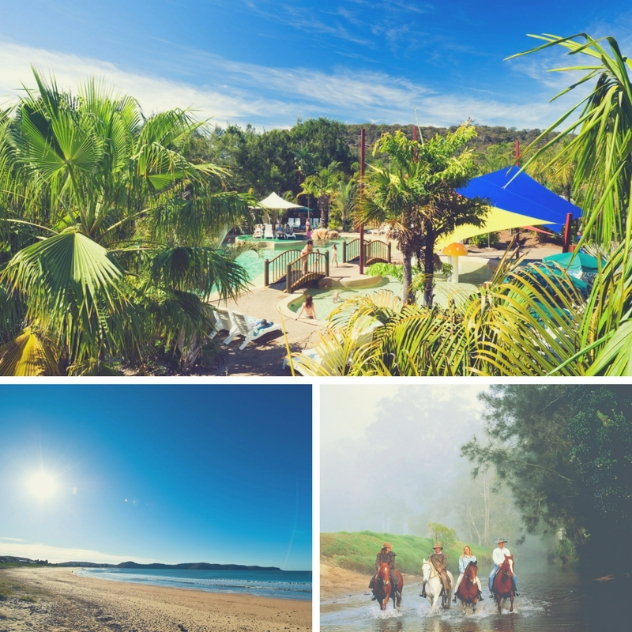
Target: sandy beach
[(59, 601)]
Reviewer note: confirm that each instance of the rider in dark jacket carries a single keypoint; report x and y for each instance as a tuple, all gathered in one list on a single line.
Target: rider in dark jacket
[(440, 562), (385, 556)]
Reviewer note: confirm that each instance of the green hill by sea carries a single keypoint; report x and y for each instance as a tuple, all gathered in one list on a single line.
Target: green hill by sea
[(357, 551)]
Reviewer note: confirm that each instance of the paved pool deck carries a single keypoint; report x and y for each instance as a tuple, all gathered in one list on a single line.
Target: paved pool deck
[(265, 356)]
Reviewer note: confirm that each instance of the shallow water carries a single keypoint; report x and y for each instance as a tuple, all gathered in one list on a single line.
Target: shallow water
[(278, 584), (551, 599)]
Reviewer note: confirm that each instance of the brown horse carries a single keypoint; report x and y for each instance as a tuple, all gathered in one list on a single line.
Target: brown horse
[(384, 589), (503, 586), (468, 589)]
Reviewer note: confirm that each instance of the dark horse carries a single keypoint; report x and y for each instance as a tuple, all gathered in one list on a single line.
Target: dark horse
[(468, 589), (384, 590), (503, 586)]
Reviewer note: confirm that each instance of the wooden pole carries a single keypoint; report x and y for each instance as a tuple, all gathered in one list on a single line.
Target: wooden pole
[(517, 153), (362, 151)]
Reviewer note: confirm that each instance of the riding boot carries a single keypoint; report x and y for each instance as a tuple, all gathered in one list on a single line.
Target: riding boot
[(373, 598), (480, 596), (423, 592), (454, 598)]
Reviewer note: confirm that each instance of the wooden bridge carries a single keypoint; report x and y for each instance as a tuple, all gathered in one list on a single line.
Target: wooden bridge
[(374, 251), (297, 270)]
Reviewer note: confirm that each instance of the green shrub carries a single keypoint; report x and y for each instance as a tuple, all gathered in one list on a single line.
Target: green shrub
[(480, 241), (443, 534), (386, 269)]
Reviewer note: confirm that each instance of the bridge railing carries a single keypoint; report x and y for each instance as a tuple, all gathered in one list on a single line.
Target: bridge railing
[(373, 250), (275, 269), (305, 268), (377, 251)]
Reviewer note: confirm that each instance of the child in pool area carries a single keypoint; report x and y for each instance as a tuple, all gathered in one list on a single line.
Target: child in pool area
[(336, 297), (334, 256), (308, 308)]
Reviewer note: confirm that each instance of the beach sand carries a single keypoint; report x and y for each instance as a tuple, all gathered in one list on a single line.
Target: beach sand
[(65, 602), (336, 582)]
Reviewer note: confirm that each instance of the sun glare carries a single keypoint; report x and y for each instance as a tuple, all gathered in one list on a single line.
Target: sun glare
[(42, 485)]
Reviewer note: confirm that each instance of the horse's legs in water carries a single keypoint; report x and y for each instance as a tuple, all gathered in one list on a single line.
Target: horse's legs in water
[(499, 601), (512, 598)]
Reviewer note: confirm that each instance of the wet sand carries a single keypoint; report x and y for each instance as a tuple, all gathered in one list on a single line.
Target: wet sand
[(64, 602), (338, 582)]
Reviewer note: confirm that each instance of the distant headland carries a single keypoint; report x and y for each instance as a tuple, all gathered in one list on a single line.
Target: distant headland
[(201, 566)]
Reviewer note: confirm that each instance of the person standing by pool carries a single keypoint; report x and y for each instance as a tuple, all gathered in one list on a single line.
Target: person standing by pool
[(309, 248), (308, 308), (334, 255)]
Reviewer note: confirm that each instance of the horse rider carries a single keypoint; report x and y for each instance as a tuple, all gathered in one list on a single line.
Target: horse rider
[(464, 560), (440, 562), (499, 554), (385, 556)]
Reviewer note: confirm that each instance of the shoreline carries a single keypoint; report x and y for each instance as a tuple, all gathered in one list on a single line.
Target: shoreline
[(337, 583), (77, 572), (65, 600)]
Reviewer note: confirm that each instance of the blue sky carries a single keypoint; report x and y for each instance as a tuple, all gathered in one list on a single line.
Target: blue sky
[(164, 473), (269, 62)]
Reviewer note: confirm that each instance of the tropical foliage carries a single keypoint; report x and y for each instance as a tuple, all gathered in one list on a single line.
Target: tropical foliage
[(416, 195), (565, 453), (109, 236)]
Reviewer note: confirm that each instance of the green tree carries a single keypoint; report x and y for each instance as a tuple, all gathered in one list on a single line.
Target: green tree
[(443, 534), (565, 452), (323, 187), (345, 199), (111, 235), (416, 195)]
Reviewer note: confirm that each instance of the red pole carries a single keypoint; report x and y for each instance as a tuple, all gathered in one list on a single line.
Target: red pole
[(567, 233), (362, 149), (517, 153), (415, 133)]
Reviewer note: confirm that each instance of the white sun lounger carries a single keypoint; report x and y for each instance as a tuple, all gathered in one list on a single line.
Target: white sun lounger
[(224, 323), (269, 234), (244, 327)]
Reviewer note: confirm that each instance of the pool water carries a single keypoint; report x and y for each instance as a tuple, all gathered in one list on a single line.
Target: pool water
[(471, 275), (253, 261)]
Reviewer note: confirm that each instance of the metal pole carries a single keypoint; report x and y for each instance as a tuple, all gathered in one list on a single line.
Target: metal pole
[(288, 274), (362, 149), (567, 232), (266, 273), (326, 263)]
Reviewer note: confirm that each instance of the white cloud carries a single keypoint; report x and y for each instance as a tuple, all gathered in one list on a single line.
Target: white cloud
[(273, 97), (55, 554), (11, 539)]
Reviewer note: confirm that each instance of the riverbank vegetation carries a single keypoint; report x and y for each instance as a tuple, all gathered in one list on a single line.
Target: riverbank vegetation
[(357, 551), (565, 453)]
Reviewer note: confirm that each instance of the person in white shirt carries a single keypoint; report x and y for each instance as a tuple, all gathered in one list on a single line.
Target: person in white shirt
[(464, 560), (498, 556)]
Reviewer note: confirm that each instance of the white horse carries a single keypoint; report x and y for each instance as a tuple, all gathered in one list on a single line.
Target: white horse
[(434, 586)]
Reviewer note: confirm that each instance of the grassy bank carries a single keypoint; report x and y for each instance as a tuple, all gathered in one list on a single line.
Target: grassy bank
[(357, 551), (10, 587)]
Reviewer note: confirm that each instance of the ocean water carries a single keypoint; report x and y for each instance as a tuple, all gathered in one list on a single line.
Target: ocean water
[(277, 584)]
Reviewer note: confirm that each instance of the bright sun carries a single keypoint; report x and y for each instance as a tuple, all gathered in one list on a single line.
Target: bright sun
[(42, 485)]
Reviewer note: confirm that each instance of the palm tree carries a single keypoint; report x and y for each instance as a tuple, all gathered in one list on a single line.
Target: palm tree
[(345, 198), (111, 234), (416, 195), (322, 186), (601, 124)]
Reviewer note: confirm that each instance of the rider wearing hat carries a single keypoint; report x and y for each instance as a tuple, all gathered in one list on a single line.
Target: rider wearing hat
[(385, 556), (499, 554), (440, 562)]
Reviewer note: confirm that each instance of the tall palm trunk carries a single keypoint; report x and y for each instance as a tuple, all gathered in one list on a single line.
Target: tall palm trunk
[(323, 205), (429, 265), (408, 296)]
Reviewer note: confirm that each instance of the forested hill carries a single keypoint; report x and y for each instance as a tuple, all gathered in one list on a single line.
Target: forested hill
[(281, 160), (486, 135), (357, 551)]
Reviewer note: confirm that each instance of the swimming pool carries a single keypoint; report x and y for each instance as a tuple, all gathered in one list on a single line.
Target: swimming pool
[(472, 274), (253, 261)]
